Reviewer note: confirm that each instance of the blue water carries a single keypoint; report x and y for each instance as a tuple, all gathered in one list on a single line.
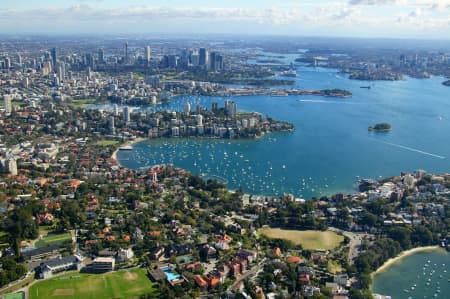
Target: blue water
[(331, 147), (171, 276), (422, 275)]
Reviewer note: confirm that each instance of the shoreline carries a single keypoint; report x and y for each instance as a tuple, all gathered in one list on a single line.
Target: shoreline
[(127, 143), (402, 255)]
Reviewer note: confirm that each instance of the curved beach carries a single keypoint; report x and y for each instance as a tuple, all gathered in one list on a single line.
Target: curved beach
[(403, 254), (128, 143)]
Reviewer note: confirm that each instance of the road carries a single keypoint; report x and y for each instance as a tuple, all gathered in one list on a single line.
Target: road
[(253, 271), (354, 244)]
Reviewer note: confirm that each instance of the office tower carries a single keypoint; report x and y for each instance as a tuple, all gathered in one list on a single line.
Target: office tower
[(187, 108), (54, 58), (116, 110), (62, 71), (172, 61), (184, 59), (214, 106), (55, 80), (215, 61), (195, 59), (19, 59), (198, 109), (46, 68), (202, 57), (126, 114), (8, 104), (89, 73), (218, 64), (148, 53), (101, 56), (212, 61), (12, 167), (126, 53), (89, 60), (7, 63)]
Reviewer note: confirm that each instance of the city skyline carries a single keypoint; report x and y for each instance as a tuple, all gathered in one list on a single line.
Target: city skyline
[(353, 18)]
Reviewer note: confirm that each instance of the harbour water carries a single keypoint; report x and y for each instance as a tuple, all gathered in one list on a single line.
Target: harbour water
[(331, 147), (421, 275)]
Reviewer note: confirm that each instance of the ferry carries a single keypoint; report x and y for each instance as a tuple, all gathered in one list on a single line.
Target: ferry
[(125, 148), (366, 87), (289, 73)]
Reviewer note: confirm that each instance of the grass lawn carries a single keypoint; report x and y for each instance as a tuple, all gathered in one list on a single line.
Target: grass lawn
[(107, 142), (122, 284), (82, 103), (14, 296), (53, 240), (13, 103), (334, 267), (309, 239)]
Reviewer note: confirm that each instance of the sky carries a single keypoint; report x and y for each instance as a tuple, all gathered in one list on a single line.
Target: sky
[(428, 19)]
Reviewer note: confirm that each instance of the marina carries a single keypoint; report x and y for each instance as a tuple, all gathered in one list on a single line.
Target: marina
[(421, 275), (330, 147)]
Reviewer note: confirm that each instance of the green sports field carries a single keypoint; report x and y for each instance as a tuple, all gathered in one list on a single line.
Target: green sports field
[(122, 284), (309, 239), (53, 240), (14, 296)]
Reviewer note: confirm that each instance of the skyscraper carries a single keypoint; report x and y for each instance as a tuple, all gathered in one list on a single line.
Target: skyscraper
[(212, 61), (7, 63), (187, 108), (112, 127), (101, 56), (148, 53), (116, 110), (184, 59), (215, 61), (126, 53), (89, 61), (126, 114), (54, 58), (62, 71), (202, 57)]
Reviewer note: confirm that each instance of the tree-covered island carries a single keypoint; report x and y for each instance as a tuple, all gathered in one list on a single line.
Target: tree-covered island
[(381, 127)]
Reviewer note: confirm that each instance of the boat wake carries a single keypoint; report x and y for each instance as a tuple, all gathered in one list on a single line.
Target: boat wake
[(413, 149), (328, 102)]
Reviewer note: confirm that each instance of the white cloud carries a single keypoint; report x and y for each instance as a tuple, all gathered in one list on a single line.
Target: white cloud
[(331, 16), (405, 3)]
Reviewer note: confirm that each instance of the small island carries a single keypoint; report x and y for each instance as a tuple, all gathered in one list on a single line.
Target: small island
[(381, 127), (446, 83)]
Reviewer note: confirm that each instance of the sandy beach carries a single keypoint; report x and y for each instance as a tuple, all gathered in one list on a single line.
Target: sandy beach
[(403, 254), (131, 142)]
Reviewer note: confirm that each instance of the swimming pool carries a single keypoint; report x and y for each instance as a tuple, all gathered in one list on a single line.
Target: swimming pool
[(171, 275)]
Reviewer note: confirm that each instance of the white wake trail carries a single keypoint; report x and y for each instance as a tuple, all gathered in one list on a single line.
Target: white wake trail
[(328, 102), (413, 149)]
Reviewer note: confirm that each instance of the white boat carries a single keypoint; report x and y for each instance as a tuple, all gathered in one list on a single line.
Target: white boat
[(126, 148)]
